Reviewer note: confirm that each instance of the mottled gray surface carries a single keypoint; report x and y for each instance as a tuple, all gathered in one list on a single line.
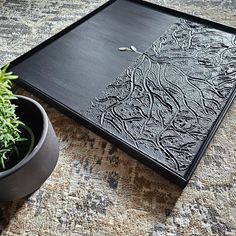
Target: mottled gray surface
[(96, 188)]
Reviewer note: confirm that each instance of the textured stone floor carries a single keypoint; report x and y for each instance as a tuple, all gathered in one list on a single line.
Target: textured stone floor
[(97, 189)]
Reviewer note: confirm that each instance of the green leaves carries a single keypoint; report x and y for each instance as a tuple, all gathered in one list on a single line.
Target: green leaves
[(9, 132)]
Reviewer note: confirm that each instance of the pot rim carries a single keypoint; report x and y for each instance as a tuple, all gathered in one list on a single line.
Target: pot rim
[(26, 159)]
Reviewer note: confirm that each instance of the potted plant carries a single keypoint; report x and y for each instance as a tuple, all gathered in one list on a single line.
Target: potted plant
[(28, 144)]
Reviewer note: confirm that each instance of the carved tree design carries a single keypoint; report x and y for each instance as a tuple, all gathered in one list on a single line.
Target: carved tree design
[(167, 101)]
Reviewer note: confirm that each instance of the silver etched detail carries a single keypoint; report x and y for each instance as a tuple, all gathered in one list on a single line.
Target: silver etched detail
[(166, 103)]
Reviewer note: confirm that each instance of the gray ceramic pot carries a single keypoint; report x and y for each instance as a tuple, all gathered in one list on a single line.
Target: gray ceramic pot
[(32, 171)]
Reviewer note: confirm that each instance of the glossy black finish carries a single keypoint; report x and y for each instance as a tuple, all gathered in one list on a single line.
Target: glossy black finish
[(74, 66), (32, 171)]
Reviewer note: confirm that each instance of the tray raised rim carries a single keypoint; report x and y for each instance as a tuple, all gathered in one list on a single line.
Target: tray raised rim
[(137, 154)]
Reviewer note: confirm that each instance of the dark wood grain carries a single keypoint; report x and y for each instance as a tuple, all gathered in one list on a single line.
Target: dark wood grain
[(74, 67), (77, 66)]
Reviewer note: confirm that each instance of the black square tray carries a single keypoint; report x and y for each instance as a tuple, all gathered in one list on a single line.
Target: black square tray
[(161, 100)]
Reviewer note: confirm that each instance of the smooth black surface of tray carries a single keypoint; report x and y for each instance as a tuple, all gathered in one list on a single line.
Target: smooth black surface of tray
[(161, 104)]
